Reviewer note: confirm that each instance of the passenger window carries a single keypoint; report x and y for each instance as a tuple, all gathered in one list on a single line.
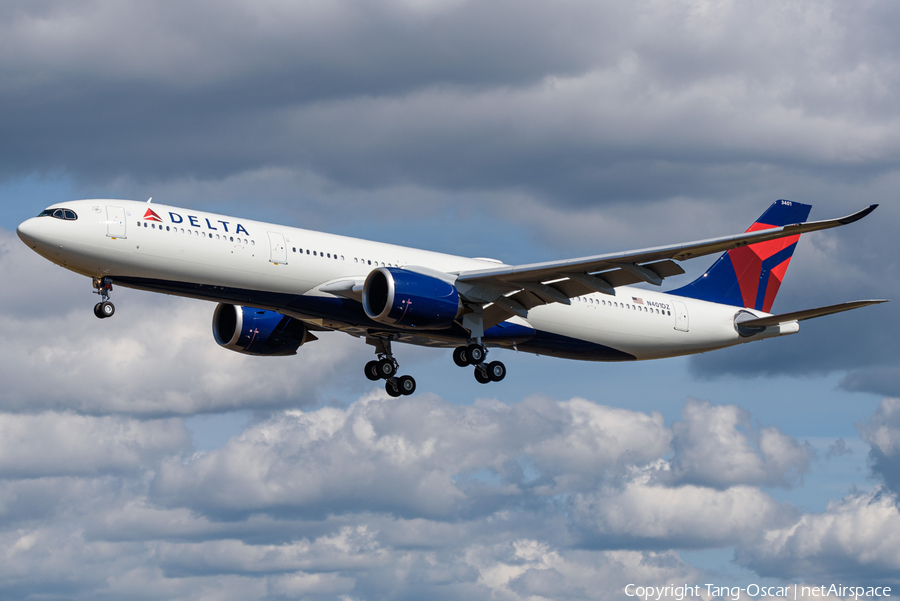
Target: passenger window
[(329, 255), (314, 254)]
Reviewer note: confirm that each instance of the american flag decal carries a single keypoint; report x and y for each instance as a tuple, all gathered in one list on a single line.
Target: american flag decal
[(637, 301)]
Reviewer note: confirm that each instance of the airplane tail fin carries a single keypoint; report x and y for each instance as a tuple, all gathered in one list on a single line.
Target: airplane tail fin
[(750, 276)]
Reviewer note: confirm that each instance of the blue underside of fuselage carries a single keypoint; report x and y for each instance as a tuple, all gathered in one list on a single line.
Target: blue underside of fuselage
[(350, 313)]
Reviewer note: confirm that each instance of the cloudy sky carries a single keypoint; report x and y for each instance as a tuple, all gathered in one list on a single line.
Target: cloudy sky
[(138, 460)]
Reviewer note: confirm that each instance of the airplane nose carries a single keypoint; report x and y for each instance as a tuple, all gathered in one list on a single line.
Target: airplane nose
[(29, 231)]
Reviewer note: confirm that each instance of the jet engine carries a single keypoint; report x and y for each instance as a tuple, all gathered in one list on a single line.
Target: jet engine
[(407, 299), (258, 332)]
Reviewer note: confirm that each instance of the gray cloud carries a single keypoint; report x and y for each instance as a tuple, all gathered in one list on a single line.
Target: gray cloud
[(452, 95), (883, 434)]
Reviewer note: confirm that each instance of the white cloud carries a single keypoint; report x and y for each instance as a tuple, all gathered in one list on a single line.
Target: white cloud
[(715, 445), (851, 539), (659, 517), (54, 444), (416, 456)]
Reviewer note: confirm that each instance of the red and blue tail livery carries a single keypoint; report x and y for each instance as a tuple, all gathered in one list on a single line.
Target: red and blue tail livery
[(750, 276)]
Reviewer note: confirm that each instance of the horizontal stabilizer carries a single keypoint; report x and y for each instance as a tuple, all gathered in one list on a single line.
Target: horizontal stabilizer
[(774, 320)]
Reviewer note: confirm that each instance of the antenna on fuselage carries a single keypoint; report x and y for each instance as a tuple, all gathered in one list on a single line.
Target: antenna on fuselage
[(149, 199)]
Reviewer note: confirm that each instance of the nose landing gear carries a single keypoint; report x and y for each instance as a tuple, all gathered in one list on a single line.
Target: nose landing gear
[(385, 367), (105, 308), (474, 354)]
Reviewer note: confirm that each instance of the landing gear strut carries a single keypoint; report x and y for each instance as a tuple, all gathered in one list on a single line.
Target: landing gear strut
[(385, 367), (474, 354), (105, 308)]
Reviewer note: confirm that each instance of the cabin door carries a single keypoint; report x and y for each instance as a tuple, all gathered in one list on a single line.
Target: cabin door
[(681, 316), (115, 222), (277, 249)]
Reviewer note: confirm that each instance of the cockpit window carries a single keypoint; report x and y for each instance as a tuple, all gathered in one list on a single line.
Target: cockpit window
[(66, 214)]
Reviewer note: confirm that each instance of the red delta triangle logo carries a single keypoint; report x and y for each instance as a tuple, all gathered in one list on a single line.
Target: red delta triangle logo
[(151, 216)]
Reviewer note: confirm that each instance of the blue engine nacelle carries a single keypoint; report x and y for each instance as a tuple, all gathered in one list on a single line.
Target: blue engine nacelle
[(258, 332), (407, 299)]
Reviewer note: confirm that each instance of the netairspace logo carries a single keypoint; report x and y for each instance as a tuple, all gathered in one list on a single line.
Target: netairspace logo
[(793, 591)]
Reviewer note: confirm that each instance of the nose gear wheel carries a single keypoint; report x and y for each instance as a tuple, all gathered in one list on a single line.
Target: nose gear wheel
[(105, 308)]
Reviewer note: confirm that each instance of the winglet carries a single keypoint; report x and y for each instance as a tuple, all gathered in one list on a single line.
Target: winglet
[(858, 215)]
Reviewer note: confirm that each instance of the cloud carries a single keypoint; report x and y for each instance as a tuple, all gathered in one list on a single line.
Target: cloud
[(883, 434), (414, 457), (57, 444), (569, 499), (684, 517), (716, 446), (847, 541), (638, 104)]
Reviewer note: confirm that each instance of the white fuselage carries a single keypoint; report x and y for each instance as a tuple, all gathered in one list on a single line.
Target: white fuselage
[(230, 259)]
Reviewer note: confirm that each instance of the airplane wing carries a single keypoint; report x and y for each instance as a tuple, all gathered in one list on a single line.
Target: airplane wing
[(513, 290), (774, 320)]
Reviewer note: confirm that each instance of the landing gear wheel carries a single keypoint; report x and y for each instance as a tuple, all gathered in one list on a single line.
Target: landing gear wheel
[(392, 388), (107, 309), (97, 310), (496, 371), (406, 385), (460, 357), (371, 370), (386, 369), (475, 354), (481, 376)]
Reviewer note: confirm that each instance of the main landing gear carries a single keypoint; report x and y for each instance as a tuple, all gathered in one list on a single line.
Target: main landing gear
[(105, 308), (385, 367), (474, 354)]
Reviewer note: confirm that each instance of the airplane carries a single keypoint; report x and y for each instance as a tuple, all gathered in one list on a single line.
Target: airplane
[(277, 286)]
